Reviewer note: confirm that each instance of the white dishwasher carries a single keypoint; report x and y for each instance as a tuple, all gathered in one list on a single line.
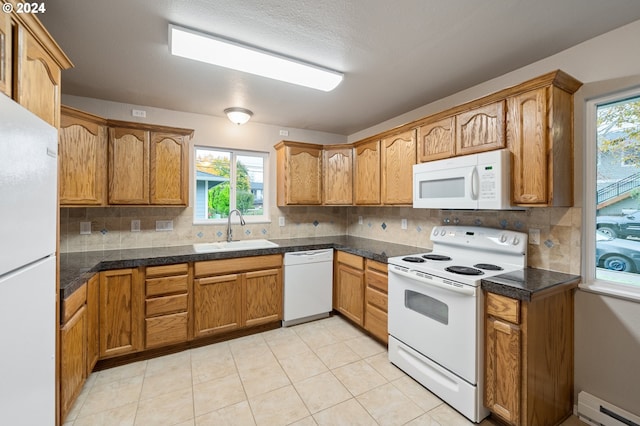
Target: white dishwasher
[(308, 285)]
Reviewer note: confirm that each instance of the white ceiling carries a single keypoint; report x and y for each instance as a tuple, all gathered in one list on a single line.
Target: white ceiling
[(396, 55)]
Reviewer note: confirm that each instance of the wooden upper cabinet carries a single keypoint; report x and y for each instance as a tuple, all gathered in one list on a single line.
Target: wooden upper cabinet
[(82, 157), (128, 166), (480, 129), (148, 164), (30, 64), (338, 174), (436, 140), (169, 169), (6, 51), (540, 138), (299, 173), (398, 158), (366, 175)]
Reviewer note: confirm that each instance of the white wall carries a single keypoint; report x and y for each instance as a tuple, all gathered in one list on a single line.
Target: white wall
[(607, 341)]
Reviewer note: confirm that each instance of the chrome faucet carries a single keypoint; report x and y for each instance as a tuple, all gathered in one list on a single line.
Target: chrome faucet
[(229, 231)]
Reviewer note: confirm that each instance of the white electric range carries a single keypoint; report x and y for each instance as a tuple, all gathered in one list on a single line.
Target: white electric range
[(436, 310)]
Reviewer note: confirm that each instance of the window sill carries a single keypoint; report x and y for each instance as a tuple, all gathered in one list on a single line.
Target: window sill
[(234, 221), (607, 288)]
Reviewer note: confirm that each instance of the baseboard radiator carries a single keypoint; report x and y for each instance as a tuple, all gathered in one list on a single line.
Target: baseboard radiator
[(594, 411)]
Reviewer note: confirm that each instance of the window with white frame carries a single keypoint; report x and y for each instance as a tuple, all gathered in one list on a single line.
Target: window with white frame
[(228, 179), (611, 257)]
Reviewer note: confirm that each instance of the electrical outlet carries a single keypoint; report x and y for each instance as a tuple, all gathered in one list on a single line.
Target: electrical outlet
[(284, 133), (534, 236), (139, 113), (85, 228), (403, 224), (164, 225), (135, 225), (281, 221), (359, 220)]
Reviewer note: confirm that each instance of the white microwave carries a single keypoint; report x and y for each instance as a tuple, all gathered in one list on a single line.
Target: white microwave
[(476, 181)]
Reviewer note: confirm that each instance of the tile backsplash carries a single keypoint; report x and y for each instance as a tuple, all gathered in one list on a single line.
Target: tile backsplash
[(559, 248)]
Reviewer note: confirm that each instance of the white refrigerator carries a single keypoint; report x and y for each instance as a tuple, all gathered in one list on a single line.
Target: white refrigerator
[(28, 186)]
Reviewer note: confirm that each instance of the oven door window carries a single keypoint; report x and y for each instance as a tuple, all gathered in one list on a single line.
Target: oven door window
[(427, 306)]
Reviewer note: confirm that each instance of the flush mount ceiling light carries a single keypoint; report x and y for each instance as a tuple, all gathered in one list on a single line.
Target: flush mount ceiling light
[(238, 115), (225, 53)]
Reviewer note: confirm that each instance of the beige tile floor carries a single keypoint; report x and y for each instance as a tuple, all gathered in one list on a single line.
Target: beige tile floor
[(325, 372)]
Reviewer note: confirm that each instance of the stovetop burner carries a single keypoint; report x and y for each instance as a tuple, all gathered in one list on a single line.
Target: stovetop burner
[(488, 267), (436, 257), (463, 270), (413, 259)]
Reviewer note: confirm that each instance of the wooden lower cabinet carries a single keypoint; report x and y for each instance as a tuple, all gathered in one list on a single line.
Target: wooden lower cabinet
[(376, 299), (93, 322), (121, 312), (167, 304), (73, 365), (529, 357), (349, 286), (235, 293)]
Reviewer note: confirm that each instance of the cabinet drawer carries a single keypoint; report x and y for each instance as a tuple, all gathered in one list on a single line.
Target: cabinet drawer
[(164, 270), (376, 298), (503, 307), (71, 304), (375, 322), (350, 259), (166, 305), (166, 285), (240, 264), (166, 329)]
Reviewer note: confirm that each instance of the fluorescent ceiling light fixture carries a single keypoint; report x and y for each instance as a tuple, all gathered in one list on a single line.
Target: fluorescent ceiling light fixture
[(225, 53), (238, 115)]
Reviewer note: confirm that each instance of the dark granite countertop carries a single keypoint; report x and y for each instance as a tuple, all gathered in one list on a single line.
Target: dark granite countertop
[(76, 268), (526, 283)]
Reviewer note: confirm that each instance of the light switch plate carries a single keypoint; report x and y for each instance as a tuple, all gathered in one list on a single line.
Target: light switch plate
[(135, 225), (164, 225), (403, 224), (281, 221), (85, 228), (534, 236), (359, 220)]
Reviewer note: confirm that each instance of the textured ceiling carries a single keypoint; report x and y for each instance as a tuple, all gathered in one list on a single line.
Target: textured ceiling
[(396, 55)]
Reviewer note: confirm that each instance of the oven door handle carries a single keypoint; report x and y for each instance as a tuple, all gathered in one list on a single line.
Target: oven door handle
[(466, 290)]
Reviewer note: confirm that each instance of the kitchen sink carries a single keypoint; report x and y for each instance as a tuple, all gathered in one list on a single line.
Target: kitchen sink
[(233, 245)]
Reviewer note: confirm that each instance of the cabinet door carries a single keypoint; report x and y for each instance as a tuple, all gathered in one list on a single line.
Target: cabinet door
[(398, 158), (436, 140), (217, 304), (527, 140), (38, 78), (121, 312), (73, 366), (82, 161), (503, 369), (338, 176), (128, 166), (169, 169), (93, 324), (303, 182), (350, 293), (263, 300), (6, 53), (366, 176), (480, 129), (376, 300)]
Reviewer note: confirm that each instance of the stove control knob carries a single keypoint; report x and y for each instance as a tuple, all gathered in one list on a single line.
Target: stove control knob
[(443, 232), (435, 230), (516, 241), (503, 238)]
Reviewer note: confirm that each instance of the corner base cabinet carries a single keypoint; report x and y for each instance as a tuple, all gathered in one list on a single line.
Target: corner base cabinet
[(529, 358)]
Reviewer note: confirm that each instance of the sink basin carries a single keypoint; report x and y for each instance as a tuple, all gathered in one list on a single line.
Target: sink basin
[(233, 245)]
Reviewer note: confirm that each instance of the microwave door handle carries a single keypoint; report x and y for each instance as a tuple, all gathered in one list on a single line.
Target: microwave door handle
[(474, 182)]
